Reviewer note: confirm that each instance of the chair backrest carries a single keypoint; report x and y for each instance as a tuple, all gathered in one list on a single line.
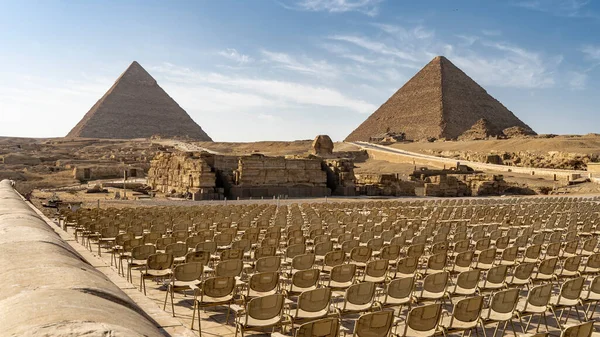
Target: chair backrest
[(207, 246), (294, 250), (580, 330), (268, 263), (436, 283), (159, 261), (415, 250), (374, 324), (187, 272), (540, 295), (437, 261), (326, 327), (487, 256), (376, 268), (468, 279), (391, 252), (178, 249), (425, 318), (314, 300), (303, 261), (468, 309), (232, 254), (343, 273), (218, 286), (263, 282), (407, 265), (360, 254), (142, 252), (496, 274), (361, 293), (229, 268), (401, 287), (305, 278), (572, 263), (505, 301), (334, 258), (547, 266), (524, 270), (198, 256), (263, 251), (572, 288), (510, 253), (323, 248)]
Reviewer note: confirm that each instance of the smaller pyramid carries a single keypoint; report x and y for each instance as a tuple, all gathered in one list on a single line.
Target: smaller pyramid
[(482, 129), (137, 107)]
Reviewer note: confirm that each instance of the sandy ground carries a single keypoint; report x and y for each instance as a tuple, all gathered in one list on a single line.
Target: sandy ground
[(588, 144)]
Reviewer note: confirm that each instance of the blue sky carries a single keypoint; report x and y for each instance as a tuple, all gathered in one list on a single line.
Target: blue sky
[(291, 69)]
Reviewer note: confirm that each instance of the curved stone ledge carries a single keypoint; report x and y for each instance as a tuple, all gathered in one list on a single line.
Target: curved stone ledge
[(47, 289)]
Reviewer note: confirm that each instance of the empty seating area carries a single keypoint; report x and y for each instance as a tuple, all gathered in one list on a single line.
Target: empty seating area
[(498, 266)]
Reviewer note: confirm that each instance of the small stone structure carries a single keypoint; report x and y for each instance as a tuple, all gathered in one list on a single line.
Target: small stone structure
[(322, 146), (340, 176), (107, 171), (373, 184)]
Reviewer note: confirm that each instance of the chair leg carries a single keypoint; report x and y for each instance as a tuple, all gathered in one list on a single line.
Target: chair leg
[(193, 316), (173, 300), (512, 326), (546, 322)]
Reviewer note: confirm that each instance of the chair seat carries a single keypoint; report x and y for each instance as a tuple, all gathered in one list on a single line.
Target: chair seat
[(495, 316), (531, 309), (354, 307), (249, 322), (456, 324), (561, 301), (156, 273), (212, 300), (302, 314)]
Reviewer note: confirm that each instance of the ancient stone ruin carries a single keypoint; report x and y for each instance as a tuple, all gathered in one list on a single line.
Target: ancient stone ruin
[(137, 107), (440, 101)]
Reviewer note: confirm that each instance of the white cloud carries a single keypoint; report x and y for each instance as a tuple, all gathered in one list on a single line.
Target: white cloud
[(234, 55), (564, 8), (419, 32), (368, 7), (591, 52), (577, 80), (271, 92), (489, 32), (306, 65), (374, 46)]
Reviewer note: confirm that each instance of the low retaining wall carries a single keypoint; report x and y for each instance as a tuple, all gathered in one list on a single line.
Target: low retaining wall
[(378, 152), (47, 289)]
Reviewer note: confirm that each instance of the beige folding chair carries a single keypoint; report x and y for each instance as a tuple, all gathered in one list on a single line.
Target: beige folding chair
[(360, 256), (185, 276), (302, 280), (569, 297), (301, 262), (341, 277), (374, 324), (178, 250), (485, 259), (406, 267), (463, 261), (591, 296), (434, 287), (376, 271), (260, 284), (333, 259), (509, 256), (501, 309), (570, 268), (138, 258), (521, 275), (260, 313), (267, 263), (495, 279), (358, 298), (312, 305), (545, 270), (399, 292), (536, 303), (157, 266), (436, 263), (466, 283), (592, 265), (390, 252), (215, 291), (532, 254), (465, 316), (421, 321)]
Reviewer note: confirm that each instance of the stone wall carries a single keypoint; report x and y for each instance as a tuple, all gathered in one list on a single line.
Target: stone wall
[(373, 184), (47, 289), (259, 170), (181, 172), (108, 171)]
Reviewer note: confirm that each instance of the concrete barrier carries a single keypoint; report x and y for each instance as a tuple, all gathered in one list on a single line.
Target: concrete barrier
[(47, 289)]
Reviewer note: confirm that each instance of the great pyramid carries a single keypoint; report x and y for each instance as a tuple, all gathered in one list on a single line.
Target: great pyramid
[(440, 101), (137, 107)]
